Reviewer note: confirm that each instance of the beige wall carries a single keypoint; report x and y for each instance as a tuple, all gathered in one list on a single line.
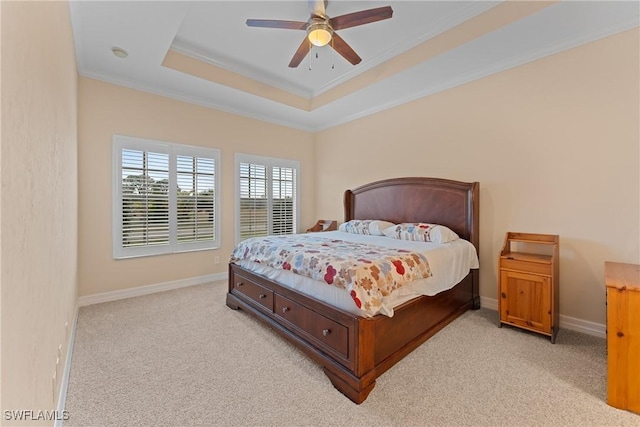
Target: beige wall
[(1, 116), (105, 110), (38, 200), (554, 145)]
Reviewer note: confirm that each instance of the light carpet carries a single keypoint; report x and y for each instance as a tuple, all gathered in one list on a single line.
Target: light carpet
[(183, 358)]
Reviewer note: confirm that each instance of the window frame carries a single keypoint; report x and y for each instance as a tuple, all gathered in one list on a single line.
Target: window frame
[(270, 163), (173, 150)]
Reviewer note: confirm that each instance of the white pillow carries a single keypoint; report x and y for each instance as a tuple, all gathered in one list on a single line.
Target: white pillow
[(373, 227), (377, 227), (421, 232)]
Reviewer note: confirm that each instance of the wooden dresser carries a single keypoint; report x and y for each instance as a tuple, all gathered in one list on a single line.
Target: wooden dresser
[(623, 335)]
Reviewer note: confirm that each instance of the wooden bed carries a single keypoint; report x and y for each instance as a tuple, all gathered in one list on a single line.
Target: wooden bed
[(354, 350)]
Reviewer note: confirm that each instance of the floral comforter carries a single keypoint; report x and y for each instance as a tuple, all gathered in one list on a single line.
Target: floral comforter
[(367, 272)]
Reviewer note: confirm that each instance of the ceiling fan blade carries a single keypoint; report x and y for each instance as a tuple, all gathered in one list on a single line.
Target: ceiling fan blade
[(318, 8), (273, 23), (360, 18), (302, 51), (341, 46)]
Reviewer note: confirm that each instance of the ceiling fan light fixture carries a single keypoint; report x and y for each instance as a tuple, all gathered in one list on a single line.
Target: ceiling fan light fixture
[(319, 33)]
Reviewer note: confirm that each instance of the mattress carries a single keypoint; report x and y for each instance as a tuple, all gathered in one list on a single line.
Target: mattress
[(449, 263)]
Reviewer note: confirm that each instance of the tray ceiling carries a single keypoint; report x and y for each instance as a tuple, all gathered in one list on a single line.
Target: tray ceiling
[(203, 52)]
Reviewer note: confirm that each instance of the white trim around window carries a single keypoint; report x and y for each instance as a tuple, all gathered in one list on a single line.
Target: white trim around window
[(165, 197)]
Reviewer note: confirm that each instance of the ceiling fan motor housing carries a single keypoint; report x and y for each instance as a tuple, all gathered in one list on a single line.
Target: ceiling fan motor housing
[(319, 32)]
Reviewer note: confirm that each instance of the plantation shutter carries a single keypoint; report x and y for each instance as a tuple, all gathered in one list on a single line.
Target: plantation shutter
[(195, 200), (254, 206), (267, 191), (145, 198), (283, 192)]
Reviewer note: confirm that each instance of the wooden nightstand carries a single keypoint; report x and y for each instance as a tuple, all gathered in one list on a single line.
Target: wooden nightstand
[(323, 225), (528, 283)]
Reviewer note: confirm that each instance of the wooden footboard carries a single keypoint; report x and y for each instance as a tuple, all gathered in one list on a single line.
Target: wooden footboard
[(353, 350)]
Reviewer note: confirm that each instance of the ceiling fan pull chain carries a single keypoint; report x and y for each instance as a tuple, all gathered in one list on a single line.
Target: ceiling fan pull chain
[(333, 64)]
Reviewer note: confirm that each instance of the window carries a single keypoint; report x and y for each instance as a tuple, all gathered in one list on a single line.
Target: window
[(165, 197), (266, 196)]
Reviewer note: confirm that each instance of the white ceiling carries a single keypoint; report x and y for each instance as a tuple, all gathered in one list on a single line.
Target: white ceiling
[(426, 47)]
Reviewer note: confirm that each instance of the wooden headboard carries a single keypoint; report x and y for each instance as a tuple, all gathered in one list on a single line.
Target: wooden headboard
[(433, 200)]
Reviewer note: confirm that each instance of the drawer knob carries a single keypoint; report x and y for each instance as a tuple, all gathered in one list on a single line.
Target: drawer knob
[(285, 309), (262, 296), (240, 283), (326, 332), (504, 295)]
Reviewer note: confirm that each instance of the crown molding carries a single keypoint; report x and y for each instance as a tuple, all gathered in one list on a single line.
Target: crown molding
[(314, 125), (450, 22), (498, 67), (472, 10), (241, 69), (195, 101)]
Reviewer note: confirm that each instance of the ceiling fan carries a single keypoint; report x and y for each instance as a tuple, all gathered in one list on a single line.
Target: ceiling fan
[(321, 29)]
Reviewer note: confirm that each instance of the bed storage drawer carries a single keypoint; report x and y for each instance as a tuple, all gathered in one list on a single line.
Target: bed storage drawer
[(323, 332), (255, 292)]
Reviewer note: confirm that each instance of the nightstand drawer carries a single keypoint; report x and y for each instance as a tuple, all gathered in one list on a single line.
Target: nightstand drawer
[(526, 266)]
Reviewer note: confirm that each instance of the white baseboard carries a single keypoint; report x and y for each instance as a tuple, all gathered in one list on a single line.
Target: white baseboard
[(490, 303), (566, 322), (62, 395), (148, 289), (584, 326)]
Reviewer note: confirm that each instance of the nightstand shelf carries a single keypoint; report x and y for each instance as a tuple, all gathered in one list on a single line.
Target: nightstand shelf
[(528, 282)]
